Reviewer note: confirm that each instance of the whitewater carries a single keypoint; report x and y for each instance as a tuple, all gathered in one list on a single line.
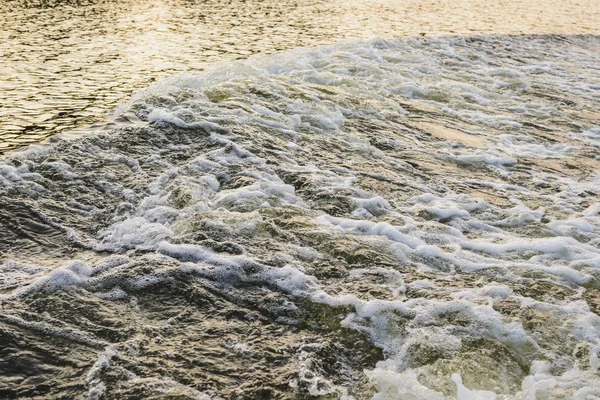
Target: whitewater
[(409, 218)]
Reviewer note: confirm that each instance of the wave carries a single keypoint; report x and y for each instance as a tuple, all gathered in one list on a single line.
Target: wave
[(413, 218)]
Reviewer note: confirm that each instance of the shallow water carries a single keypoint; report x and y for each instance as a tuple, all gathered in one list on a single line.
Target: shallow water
[(67, 64), (413, 219)]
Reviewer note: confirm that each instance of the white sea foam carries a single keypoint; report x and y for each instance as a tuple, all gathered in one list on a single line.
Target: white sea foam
[(431, 224)]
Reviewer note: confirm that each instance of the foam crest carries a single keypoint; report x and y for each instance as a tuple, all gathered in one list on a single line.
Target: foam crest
[(421, 213)]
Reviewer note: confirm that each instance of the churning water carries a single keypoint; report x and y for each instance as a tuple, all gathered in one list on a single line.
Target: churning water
[(391, 219), (412, 218)]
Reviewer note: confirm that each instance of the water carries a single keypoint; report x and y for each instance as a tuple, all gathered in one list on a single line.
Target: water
[(68, 64), (401, 218), (396, 218)]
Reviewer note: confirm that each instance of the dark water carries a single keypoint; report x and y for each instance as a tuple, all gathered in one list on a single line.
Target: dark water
[(375, 219), (386, 219), (67, 64)]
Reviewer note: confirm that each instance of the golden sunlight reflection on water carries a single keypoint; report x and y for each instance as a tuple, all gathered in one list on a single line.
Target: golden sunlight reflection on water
[(67, 64)]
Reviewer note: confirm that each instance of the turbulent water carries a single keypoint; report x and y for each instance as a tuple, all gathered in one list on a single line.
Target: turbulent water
[(388, 219)]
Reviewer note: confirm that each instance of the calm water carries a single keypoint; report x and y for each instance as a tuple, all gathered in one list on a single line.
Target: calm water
[(66, 64)]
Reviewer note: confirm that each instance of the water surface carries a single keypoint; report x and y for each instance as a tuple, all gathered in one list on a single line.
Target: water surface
[(67, 64), (388, 219)]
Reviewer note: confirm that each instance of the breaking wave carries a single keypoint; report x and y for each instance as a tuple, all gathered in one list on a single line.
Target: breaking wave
[(414, 218)]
